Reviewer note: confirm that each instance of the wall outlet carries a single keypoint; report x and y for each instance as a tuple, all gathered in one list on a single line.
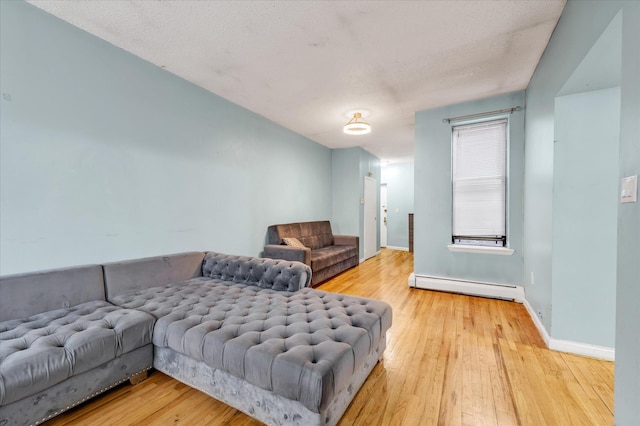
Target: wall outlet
[(532, 280), (540, 315)]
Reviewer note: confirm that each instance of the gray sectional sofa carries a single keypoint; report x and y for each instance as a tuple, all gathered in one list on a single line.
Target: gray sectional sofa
[(247, 331), (326, 254), (62, 343)]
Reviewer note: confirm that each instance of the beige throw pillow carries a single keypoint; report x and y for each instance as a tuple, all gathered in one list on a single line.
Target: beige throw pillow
[(293, 242)]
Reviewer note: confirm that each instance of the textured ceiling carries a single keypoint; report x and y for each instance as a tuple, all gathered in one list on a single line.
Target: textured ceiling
[(306, 65)]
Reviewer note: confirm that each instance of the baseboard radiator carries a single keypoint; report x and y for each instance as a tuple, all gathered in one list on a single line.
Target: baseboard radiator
[(472, 288)]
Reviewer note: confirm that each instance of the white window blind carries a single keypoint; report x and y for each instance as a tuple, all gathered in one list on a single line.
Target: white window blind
[(479, 183)]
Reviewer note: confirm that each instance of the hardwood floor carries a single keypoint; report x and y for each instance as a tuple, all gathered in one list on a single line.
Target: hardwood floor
[(450, 360)]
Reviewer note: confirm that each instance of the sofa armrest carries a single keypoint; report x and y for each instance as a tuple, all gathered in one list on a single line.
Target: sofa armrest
[(275, 274), (346, 240), (275, 251)]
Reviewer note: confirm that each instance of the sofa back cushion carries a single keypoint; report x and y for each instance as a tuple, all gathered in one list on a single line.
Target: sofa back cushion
[(314, 235), (138, 274), (275, 274), (25, 295)]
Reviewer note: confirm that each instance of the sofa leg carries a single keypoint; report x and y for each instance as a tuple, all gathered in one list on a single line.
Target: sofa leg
[(140, 377)]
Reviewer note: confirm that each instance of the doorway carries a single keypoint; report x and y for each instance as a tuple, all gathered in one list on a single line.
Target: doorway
[(370, 217)]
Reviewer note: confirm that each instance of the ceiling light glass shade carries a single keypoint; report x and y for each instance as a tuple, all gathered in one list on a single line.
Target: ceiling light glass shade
[(357, 125)]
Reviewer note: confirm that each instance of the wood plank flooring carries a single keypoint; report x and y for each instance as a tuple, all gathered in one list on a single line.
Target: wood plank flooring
[(450, 360)]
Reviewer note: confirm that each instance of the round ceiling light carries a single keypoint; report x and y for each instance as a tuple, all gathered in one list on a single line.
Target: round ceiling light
[(357, 125)]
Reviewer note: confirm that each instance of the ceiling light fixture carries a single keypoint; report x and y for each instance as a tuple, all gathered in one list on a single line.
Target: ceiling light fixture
[(357, 125)]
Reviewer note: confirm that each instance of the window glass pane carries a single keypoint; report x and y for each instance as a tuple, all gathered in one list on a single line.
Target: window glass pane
[(479, 179), (479, 206)]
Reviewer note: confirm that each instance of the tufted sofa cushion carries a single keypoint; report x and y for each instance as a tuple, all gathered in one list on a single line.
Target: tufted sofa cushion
[(275, 274), (303, 345), (42, 350)]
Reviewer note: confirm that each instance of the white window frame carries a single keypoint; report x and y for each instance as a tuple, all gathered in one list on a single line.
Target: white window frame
[(458, 247)]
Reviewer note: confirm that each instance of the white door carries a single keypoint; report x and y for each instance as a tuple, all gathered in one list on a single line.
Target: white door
[(370, 217), (383, 215)]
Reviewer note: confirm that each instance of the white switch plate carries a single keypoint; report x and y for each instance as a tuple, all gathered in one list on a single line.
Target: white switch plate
[(629, 190)]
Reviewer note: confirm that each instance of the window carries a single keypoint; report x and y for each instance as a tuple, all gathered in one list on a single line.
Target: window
[(479, 183)]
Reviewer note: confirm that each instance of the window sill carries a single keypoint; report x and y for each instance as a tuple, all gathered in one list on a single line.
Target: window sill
[(504, 251)]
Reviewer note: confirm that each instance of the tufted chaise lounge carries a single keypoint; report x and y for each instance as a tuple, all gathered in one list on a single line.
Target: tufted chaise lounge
[(250, 333), (246, 331)]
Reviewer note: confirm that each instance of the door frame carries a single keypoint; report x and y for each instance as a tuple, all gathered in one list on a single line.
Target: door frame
[(370, 218), (383, 215)]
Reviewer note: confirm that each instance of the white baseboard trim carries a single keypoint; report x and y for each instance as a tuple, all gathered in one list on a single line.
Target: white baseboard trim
[(398, 248), (412, 280), (569, 346), (584, 349), (537, 322), (473, 288)]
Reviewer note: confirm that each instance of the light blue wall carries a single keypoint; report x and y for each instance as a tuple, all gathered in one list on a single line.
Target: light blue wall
[(105, 156), (576, 60), (580, 26), (399, 180), (627, 384), (345, 202), (432, 216), (349, 167), (585, 210)]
